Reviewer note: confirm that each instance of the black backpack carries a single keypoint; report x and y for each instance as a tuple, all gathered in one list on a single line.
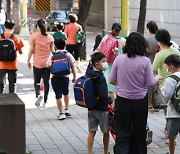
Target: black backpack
[(7, 49)]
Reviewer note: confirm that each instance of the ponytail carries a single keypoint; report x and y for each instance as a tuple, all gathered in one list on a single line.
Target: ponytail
[(42, 25)]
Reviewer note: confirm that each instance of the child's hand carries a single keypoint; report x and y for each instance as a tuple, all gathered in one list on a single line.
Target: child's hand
[(74, 80), (115, 51), (158, 77)]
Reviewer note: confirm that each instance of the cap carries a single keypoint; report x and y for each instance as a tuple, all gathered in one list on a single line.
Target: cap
[(116, 26)]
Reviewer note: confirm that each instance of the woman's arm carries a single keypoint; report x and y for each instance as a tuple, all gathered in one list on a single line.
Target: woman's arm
[(31, 49), (52, 49)]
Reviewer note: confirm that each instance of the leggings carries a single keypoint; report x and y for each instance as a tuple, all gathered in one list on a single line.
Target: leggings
[(43, 73)]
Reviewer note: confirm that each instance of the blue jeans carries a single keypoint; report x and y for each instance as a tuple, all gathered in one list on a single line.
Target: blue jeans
[(12, 77)]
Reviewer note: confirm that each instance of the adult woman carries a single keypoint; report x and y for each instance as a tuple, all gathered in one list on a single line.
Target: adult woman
[(71, 30), (132, 74), (41, 46)]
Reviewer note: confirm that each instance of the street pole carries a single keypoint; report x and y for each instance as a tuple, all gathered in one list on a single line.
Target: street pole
[(125, 17), (24, 12)]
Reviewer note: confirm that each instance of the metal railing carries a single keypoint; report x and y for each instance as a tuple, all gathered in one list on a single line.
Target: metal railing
[(94, 19)]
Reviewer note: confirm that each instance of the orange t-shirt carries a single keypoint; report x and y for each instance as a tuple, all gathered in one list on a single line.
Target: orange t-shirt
[(71, 31), (42, 49), (14, 64)]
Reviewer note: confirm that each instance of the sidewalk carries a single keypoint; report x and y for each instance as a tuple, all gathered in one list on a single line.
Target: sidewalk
[(47, 135)]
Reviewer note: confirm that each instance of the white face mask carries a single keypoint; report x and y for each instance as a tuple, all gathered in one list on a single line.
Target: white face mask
[(169, 72), (105, 66)]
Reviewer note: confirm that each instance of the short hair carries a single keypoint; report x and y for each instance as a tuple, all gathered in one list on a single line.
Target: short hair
[(174, 60), (60, 43), (60, 26), (136, 44), (96, 57), (9, 24), (152, 26), (163, 36), (72, 18)]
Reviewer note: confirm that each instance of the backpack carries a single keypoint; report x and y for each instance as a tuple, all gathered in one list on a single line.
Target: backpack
[(80, 37), (107, 46), (7, 49), (158, 101), (84, 93), (60, 64), (84, 90), (176, 97)]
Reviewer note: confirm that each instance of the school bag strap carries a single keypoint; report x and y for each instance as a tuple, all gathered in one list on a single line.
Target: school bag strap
[(3, 36), (175, 78)]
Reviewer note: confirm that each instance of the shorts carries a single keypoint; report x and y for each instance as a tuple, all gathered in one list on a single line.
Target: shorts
[(173, 127), (60, 86), (74, 50), (96, 118), (111, 88)]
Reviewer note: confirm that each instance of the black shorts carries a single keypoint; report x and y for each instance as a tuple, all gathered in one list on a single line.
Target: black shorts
[(74, 50), (60, 86)]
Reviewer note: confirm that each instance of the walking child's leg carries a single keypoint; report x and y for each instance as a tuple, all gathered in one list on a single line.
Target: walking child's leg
[(106, 142), (172, 145), (90, 141), (66, 101), (59, 104)]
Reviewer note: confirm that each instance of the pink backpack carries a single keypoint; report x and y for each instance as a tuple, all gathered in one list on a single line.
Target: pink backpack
[(107, 46)]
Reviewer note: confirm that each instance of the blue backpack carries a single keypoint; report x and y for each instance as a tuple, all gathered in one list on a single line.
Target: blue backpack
[(84, 92), (60, 64)]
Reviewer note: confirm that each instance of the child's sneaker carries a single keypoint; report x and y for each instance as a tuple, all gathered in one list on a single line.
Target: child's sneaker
[(38, 101), (149, 137), (61, 116), (66, 111)]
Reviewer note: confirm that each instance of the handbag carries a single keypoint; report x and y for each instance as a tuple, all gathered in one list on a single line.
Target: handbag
[(158, 101)]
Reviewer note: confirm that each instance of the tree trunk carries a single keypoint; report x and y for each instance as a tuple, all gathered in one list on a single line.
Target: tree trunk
[(82, 16), (8, 9), (142, 17), (17, 16)]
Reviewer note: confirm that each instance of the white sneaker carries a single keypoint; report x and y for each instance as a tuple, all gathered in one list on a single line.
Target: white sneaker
[(61, 116), (43, 106), (66, 111), (38, 101)]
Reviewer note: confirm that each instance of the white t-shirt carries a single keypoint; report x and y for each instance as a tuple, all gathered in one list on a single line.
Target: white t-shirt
[(168, 91), (2, 18)]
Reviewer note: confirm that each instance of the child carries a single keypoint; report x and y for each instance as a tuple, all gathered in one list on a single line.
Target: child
[(60, 83), (60, 33), (168, 90), (100, 114)]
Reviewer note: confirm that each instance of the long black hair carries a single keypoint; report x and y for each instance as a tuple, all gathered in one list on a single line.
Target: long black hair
[(42, 25), (97, 41), (136, 44)]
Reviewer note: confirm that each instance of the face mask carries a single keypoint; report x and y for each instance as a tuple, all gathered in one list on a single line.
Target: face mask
[(105, 66), (169, 72)]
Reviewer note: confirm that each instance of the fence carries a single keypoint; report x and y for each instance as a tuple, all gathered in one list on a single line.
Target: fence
[(94, 19)]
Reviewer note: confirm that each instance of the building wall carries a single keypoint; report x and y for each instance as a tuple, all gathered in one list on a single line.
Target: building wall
[(166, 13), (96, 14)]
